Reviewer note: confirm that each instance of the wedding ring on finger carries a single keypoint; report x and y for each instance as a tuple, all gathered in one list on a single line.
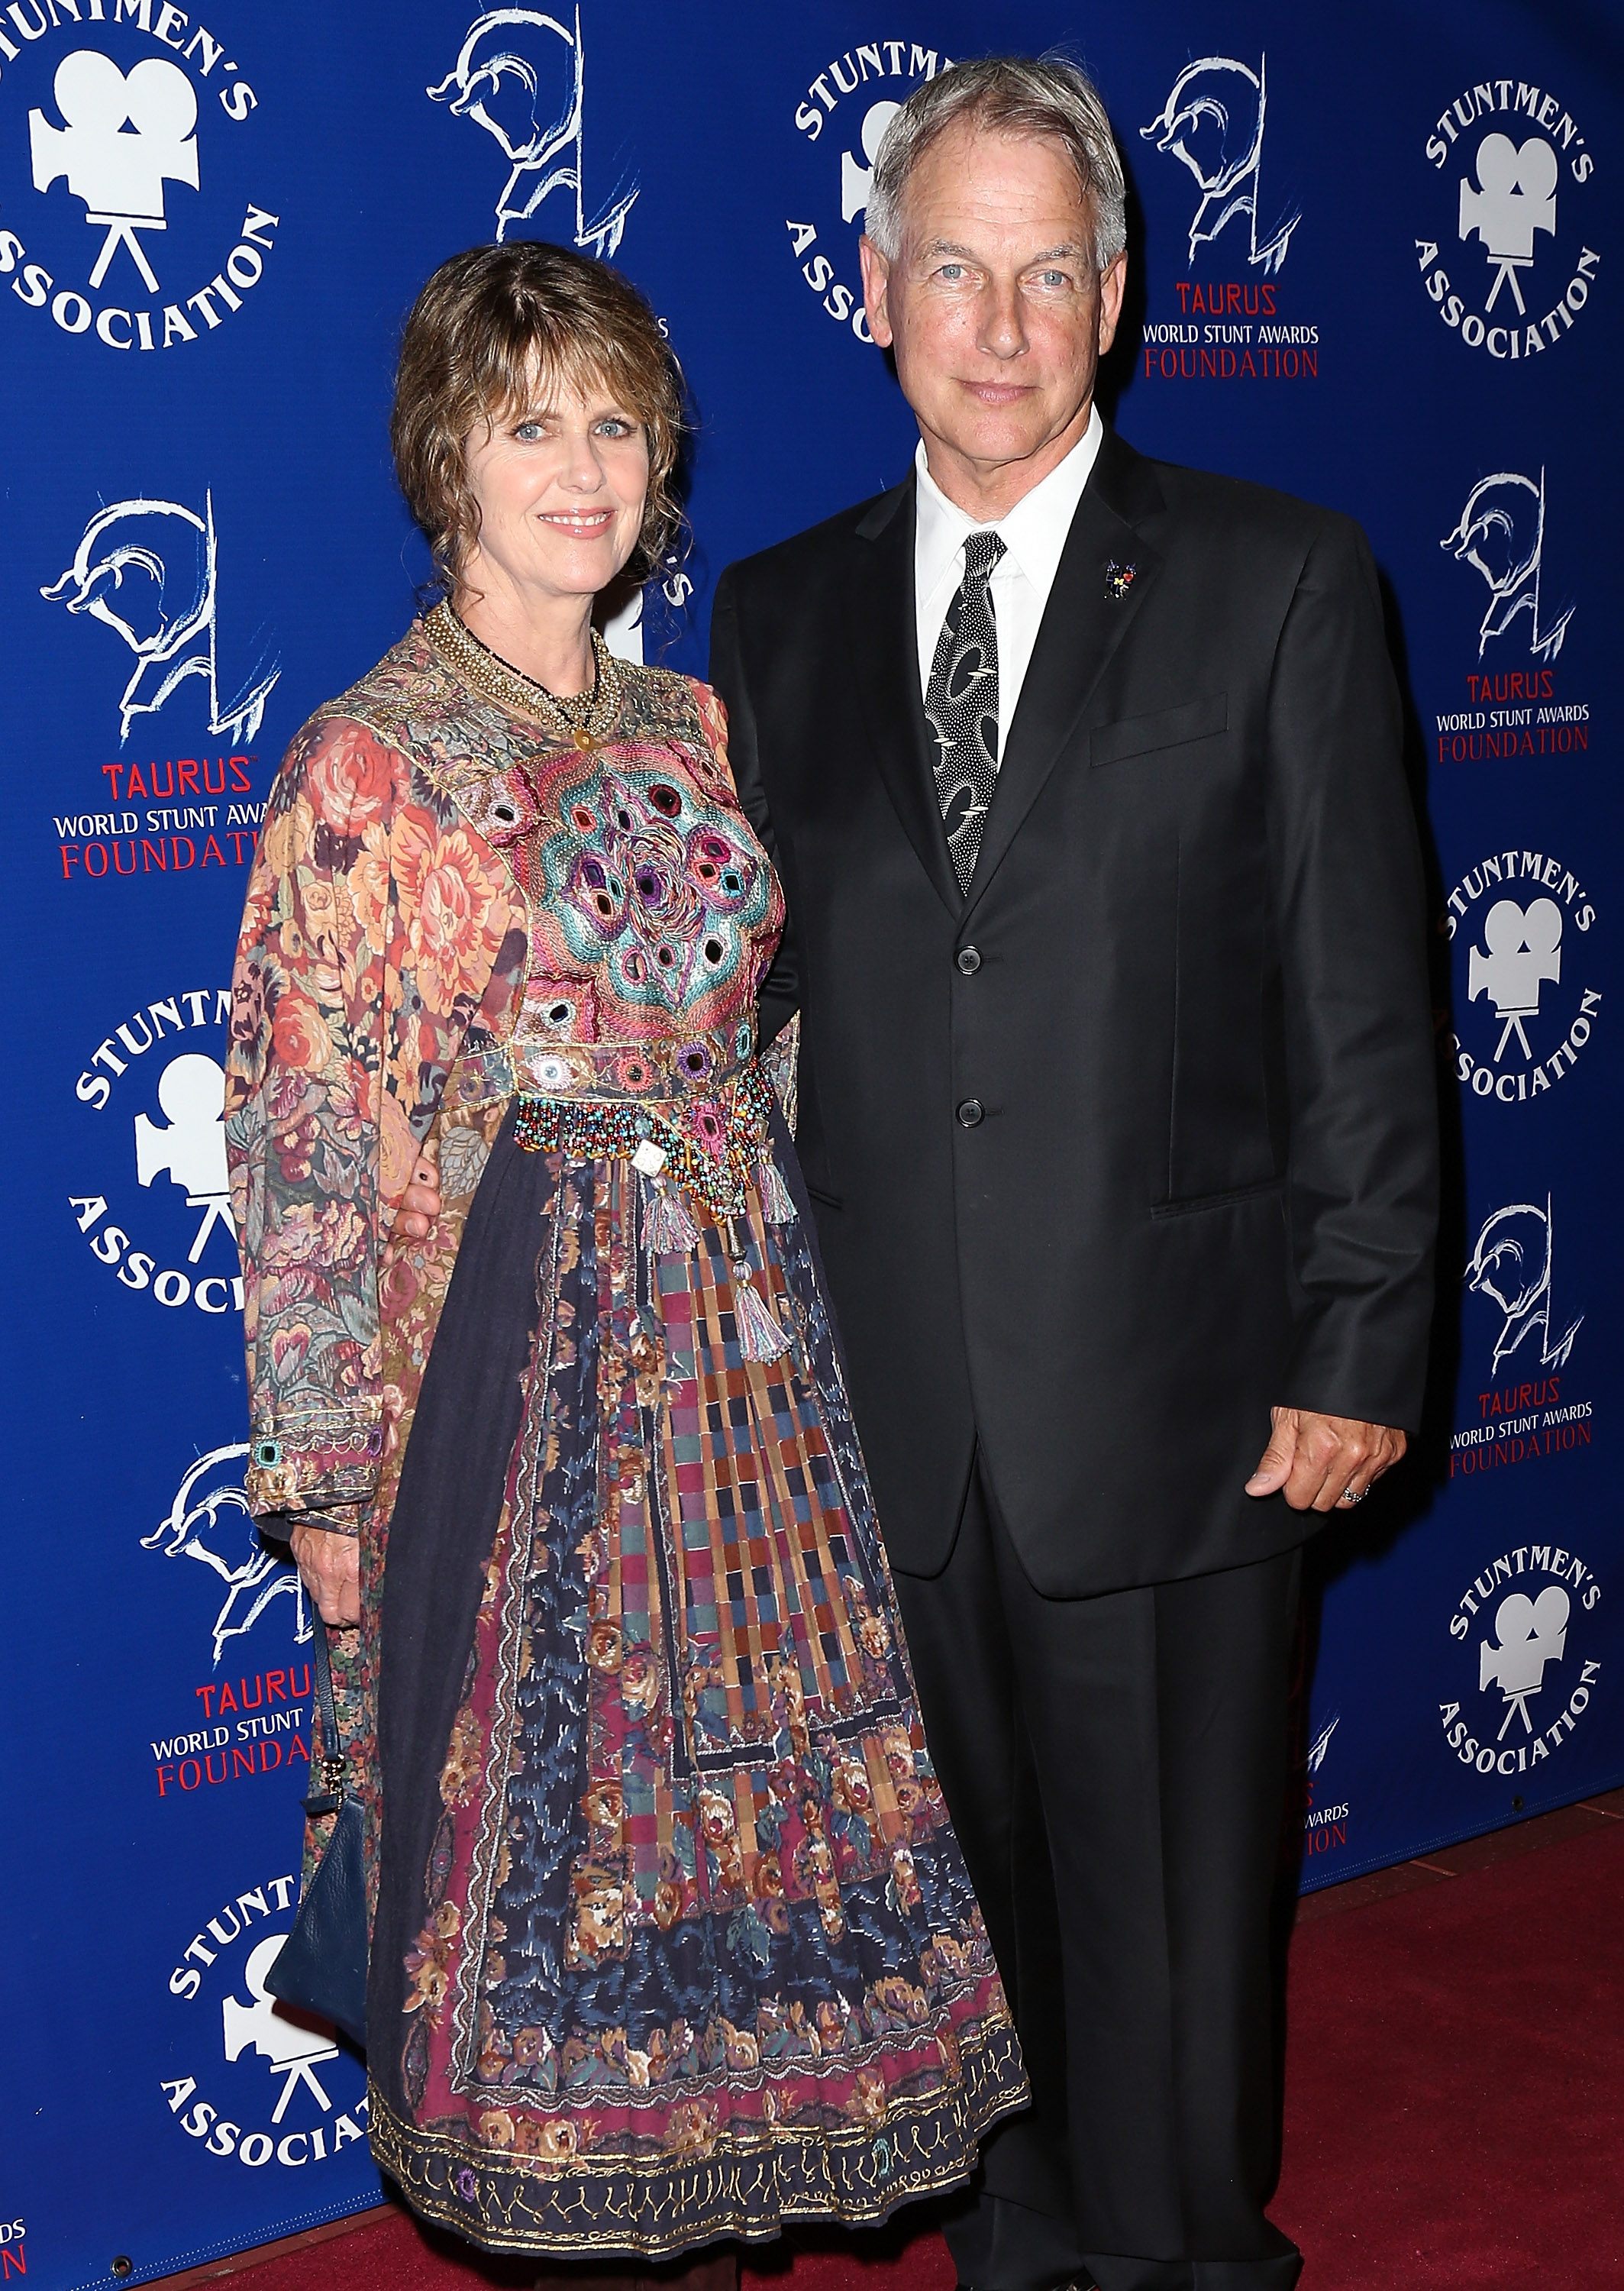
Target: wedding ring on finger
[(1353, 1495)]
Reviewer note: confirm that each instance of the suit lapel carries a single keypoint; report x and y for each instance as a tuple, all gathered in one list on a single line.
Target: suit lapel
[(885, 651), (1084, 622)]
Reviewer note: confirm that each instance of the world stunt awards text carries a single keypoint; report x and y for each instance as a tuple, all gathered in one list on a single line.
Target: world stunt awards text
[(1228, 331), (1512, 715), (1528, 1432), (175, 831), (253, 1728)]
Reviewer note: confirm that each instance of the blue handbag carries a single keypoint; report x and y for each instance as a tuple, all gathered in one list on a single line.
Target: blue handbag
[(321, 1967)]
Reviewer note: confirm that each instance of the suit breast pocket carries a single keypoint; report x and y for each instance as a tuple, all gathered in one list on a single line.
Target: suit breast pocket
[(1164, 727)]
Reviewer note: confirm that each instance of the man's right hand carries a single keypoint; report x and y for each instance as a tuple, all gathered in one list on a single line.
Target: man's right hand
[(330, 1568)]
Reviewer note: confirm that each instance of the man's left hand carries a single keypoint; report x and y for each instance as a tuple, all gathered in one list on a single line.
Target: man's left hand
[(1323, 1463)]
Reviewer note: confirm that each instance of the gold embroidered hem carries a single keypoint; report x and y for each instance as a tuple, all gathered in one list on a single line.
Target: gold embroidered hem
[(657, 2206)]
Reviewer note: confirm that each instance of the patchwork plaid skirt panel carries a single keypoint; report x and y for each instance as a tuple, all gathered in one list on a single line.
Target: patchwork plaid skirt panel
[(674, 1940)]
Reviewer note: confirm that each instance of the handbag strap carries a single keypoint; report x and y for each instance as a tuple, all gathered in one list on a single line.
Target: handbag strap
[(329, 1795)]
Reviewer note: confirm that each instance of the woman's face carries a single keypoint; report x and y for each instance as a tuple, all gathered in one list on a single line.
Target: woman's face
[(560, 482)]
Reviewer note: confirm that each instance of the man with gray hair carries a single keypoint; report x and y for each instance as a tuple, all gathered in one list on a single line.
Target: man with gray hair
[(1117, 1116)]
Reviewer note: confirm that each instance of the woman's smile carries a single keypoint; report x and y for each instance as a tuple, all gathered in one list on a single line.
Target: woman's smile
[(584, 524)]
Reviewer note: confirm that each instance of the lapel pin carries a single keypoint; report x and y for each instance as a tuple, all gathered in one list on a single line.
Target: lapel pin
[(1119, 580)]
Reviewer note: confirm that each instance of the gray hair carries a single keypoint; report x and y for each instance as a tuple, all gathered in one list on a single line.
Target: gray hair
[(1005, 95)]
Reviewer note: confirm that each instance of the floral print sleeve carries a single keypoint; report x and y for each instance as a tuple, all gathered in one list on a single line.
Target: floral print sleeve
[(371, 930)]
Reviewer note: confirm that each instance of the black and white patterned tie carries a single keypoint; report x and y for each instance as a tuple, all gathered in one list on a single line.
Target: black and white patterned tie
[(961, 704)]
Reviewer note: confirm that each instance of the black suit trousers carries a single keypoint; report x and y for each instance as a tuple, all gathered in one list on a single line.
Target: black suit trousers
[(1115, 1768)]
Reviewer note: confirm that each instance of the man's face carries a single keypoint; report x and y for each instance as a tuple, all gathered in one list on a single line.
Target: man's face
[(995, 310)]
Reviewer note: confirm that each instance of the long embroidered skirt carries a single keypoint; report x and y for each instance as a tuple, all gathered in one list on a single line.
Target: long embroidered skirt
[(674, 1940)]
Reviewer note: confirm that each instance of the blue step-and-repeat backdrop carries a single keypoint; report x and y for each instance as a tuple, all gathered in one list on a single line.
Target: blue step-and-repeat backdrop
[(1377, 256)]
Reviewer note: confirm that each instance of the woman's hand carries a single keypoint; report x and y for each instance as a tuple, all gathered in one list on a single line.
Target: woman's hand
[(420, 1205), (330, 1568)]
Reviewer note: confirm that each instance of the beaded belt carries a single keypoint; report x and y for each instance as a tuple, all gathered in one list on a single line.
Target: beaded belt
[(638, 1072), (695, 1114)]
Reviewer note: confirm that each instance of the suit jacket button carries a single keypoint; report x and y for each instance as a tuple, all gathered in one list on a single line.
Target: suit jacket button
[(969, 1113), (969, 960)]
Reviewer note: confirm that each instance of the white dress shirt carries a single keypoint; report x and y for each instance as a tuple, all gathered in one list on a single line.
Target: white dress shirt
[(1034, 535)]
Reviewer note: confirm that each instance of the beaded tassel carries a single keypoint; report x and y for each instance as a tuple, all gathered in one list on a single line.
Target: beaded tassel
[(776, 1207), (670, 1229), (760, 1337)]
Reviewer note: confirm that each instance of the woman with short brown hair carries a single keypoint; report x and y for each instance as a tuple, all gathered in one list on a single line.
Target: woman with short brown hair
[(671, 1939)]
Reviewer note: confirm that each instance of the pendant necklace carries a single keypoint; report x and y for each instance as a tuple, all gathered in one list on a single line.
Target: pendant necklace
[(585, 717)]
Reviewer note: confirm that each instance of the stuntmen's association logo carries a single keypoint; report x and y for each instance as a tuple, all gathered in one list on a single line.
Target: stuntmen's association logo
[(156, 1095), (257, 2081), (1526, 1677), (1506, 264), (1527, 1006), (844, 116), (124, 162)]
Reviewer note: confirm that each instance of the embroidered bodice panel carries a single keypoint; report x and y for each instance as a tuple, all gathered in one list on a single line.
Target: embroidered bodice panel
[(654, 912)]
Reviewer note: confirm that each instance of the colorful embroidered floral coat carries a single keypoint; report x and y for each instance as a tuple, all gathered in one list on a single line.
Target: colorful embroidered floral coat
[(385, 935)]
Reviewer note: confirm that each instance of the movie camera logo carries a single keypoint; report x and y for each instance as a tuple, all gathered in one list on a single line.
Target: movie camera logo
[(1526, 1007), (209, 1521), (1213, 122), (1513, 167), (856, 96), (1521, 1627), (520, 75), (1500, 534), (278, 2087), (164, 1153), (1324, 1827), (149, 571), (104, 163)]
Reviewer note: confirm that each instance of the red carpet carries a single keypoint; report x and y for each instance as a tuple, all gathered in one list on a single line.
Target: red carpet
[(1454, 2107), (1455, 2083)]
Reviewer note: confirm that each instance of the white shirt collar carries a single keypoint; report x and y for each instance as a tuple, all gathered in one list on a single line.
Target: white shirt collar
[(1033, 532)]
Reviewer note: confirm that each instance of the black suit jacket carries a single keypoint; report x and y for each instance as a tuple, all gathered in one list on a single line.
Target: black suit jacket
[(1140, 1137)]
